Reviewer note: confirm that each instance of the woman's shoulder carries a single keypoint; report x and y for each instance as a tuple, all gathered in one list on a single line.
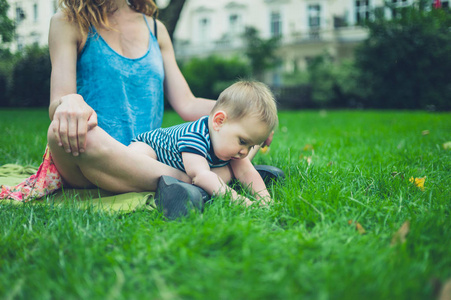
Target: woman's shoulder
[(162, 33), (61, 29), (61, 21)]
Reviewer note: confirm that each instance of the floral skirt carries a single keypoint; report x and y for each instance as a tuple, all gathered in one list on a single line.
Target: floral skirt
[(46, 180)]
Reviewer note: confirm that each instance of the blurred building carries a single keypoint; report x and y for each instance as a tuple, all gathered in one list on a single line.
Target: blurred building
[(32, 19), (306, 28)]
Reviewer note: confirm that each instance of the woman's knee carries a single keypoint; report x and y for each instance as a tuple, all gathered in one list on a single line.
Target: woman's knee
[(225, 173), (51, 136), (94, 142)]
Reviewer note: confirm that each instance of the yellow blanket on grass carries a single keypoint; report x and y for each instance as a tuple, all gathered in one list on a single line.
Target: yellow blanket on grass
[(11, 175)]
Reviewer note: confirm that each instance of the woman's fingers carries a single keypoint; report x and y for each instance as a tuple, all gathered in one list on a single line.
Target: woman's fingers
[(92, 120), (63, 136), (83, 128), (56, 128), (71, 133), (73, 118)]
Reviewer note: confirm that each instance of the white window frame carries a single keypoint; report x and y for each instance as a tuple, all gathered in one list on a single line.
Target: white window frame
[(35, 12), (315, 20), (275, 23), (362, 10), (235, 23)]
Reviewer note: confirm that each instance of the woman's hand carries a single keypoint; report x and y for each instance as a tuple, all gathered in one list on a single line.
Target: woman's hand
[(73, 118)]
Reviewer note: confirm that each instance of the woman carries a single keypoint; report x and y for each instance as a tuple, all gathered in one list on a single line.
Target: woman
[(111, 63), (119, 39)]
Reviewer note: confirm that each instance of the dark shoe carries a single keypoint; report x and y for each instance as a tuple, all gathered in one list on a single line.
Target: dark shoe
[(270, 174), (176, 198), (205, 196)]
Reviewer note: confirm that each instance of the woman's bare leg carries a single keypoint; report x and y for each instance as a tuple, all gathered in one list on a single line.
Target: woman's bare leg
[(143, 148), (110, 165), (225, 173)]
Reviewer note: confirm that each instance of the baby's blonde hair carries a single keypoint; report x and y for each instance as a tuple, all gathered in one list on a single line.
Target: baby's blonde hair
[(87, 13), (248, 98)]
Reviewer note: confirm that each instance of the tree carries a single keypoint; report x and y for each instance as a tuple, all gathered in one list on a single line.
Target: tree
[(31, 78), (208, 77), (6, 64), (261, 53), (405, 62), (170, 14), (6, 25)]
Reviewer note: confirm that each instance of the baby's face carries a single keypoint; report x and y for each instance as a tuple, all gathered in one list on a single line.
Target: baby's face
[(236, 138)]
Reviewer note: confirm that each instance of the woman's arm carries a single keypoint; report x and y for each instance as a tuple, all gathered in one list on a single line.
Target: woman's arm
[(177, 90), (198, 169), (67, 110)]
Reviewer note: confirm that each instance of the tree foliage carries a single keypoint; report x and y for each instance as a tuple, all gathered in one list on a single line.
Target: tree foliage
[(260, 52), (171, 14), (207, 77), (7, 63), (406, 62), (330, 84), (31, 78), (6, 24)]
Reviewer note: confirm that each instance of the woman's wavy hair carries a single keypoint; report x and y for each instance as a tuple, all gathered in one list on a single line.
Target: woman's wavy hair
[(87, 13)]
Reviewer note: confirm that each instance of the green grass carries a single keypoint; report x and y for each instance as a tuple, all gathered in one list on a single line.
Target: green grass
[(301, 248)]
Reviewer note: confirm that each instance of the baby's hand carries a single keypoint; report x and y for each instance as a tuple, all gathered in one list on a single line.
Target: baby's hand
[(264, 201), (244, 201)]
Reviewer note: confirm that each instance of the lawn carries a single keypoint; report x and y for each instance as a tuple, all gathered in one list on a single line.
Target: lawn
[(347, 223)]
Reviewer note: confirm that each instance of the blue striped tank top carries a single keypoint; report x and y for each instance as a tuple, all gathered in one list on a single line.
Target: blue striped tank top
[(169, 143), (127, 94)]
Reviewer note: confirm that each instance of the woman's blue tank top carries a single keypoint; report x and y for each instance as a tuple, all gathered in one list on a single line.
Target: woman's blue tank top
[(127, 94)]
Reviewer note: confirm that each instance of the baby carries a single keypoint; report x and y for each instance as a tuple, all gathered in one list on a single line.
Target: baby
[(245, 115)]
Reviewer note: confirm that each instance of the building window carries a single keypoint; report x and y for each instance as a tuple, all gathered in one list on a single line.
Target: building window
[(204, 29), (314, 20), (19, 40), (35, 12), (276, 24), (445, 4), (314, 16), (362, 10), (234, 23), (20, 14)]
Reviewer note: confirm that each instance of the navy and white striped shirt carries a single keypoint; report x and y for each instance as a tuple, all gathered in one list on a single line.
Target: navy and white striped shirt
[(169, 143)]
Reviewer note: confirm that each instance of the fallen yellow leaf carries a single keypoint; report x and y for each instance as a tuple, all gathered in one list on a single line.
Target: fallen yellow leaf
[(264, 149), (419, 182), (400, 236), (358, 227), (308, 147), (447, 145), (425, 132)]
